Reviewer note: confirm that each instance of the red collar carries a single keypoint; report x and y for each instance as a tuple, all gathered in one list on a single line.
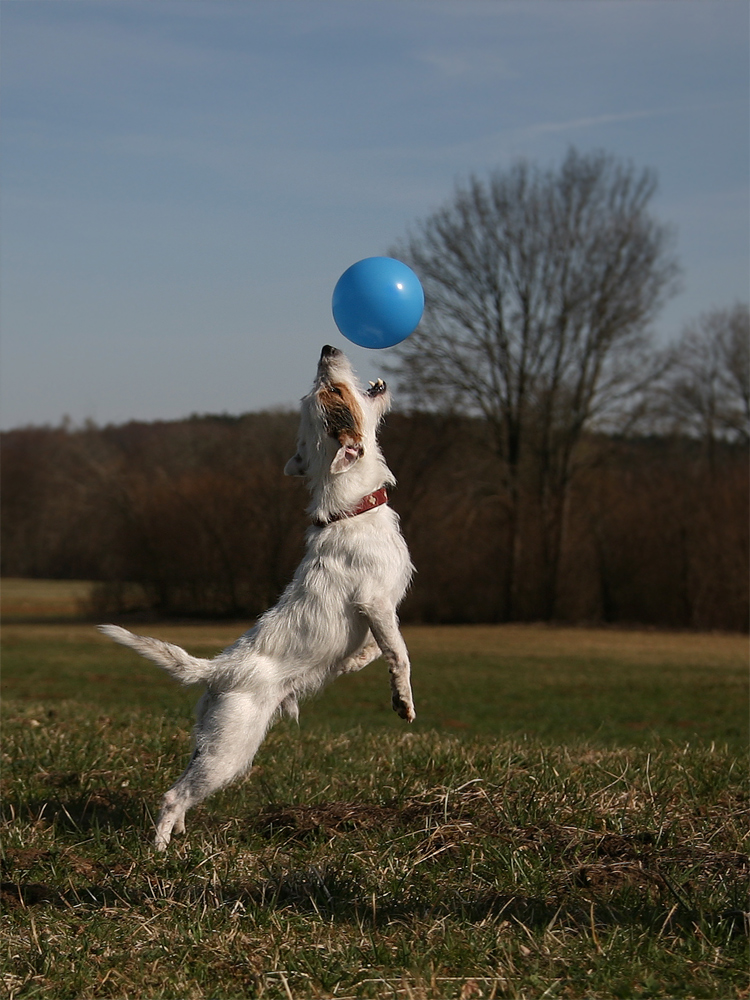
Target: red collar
[(369, 502)]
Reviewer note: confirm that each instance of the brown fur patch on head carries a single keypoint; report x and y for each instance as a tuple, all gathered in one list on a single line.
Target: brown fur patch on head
[(342, 412)]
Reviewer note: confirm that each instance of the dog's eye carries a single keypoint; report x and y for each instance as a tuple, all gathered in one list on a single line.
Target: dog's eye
[(335, 390)]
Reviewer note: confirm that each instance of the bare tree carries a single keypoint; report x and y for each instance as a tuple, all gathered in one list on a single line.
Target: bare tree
[(706, 391), (540, 288)]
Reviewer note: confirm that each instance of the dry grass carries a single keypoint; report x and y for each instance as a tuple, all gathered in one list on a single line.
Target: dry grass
[(543, 642), (34, 599), (549, 641)]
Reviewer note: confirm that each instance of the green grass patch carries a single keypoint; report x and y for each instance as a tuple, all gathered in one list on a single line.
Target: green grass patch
[(612, 687), (566, 818)]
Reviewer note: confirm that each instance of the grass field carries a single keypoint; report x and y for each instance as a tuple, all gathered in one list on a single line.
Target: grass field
[(566, 818)]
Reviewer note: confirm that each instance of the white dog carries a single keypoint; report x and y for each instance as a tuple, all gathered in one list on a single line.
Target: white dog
[(336, 616)]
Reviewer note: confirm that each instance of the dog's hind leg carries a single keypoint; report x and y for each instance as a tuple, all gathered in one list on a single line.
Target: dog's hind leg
[(370, 651), (384, 627), (230, 728)]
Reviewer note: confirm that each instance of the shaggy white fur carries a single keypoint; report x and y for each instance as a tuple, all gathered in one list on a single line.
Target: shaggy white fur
[(336, 616)]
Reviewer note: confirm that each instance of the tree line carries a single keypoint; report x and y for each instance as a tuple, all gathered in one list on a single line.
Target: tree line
[(194, 518)]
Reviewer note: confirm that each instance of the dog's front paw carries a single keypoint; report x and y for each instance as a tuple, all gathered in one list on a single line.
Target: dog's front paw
[(377, 388), (404, 709)]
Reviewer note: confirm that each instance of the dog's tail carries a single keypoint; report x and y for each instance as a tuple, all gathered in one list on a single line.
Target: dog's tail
[(182, 666)]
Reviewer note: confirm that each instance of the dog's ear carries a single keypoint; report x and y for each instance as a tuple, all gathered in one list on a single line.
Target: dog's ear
[(295, 466), (347, 456)]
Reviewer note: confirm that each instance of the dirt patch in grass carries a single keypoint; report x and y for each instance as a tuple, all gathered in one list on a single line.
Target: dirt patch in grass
[(441, 822)]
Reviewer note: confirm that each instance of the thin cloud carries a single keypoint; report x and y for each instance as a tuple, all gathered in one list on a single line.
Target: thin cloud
[(463, 65), (596, 121)]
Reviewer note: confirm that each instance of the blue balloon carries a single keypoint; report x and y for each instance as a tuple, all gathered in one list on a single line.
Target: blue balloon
[(377, 302)]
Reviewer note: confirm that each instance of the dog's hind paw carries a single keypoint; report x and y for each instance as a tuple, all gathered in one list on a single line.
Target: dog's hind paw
[(161, 842)]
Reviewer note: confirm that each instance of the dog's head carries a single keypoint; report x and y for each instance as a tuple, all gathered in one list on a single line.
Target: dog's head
[(339, 420)]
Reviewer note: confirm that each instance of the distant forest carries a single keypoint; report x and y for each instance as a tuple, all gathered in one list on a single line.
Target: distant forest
[(194, 518)]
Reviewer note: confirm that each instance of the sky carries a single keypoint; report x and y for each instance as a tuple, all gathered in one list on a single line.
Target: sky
[(183, 182)]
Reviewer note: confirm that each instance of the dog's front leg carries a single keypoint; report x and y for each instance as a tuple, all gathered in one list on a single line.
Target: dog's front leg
[(384, 627)]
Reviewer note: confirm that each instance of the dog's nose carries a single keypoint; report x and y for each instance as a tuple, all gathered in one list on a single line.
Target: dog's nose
[(329, 352)]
